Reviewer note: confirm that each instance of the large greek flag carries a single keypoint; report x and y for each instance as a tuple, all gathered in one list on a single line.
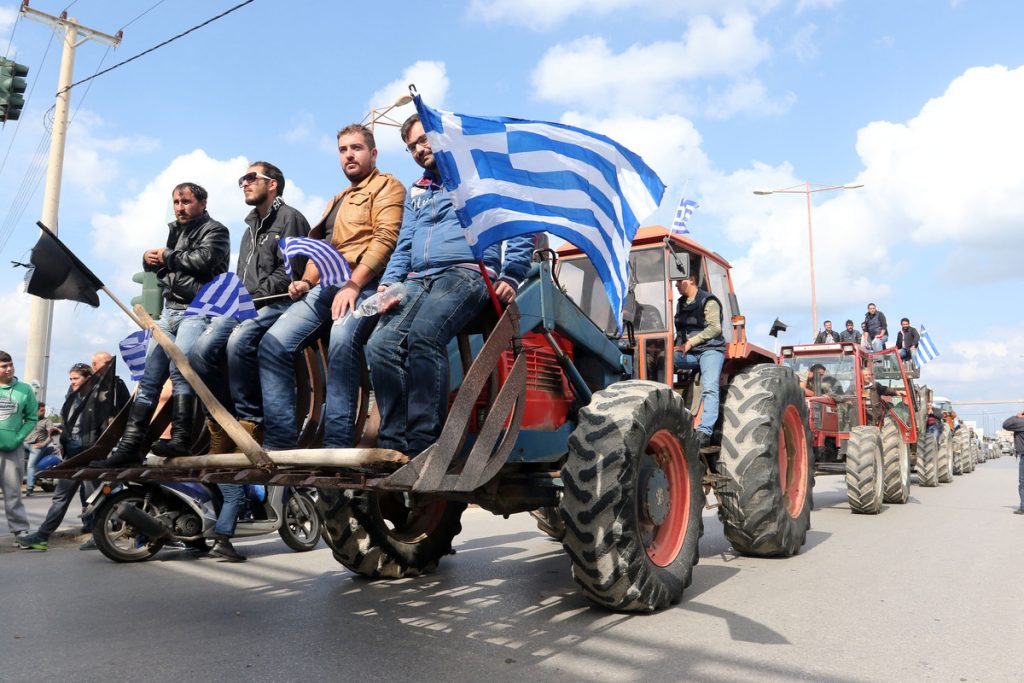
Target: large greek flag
[(133, 353), (334, 269), (223, 295), (510, 177), (926, 350)]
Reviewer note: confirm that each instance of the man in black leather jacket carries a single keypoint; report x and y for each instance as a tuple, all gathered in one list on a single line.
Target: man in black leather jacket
[(198, 249)]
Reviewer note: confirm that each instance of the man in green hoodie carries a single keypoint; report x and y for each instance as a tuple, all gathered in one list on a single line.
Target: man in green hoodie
[(18, 408)]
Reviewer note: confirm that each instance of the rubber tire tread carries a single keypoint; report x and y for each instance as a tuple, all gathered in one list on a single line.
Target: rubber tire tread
[(100, 517), (927, 461), (945, 466), (959, 452), (361, 541), (752, 504), (864, 470), (599, 506), (895, 465), (292, 540)]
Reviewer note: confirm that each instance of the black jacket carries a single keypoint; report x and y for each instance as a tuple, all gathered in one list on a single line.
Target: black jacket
[(908, 340), (260, 263), (823, 337), (103, 396), (876, 322), (196, 253)]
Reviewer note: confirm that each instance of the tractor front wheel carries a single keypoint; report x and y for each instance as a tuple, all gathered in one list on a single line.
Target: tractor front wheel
[(927, 460), (633, 498), (945, 466), (864, 470), (895, 464)]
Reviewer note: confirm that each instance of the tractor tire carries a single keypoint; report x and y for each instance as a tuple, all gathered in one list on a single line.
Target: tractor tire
[(971, 461), (633, 497), (766, 459), (864, 470), (895, 465), (382, 536), (945, 468), (927, 460), (550, 522), (959, 452)]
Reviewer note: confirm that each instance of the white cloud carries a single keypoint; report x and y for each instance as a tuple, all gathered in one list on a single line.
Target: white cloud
[(806, 5), (802, 43), (303, 126), (546, 14), (8, 15), (92, 161), (747, 96), (431, 81), (647, 77), (141, 221)]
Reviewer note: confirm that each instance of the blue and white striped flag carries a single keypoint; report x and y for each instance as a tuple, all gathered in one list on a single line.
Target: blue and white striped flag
[(133, 352), (926, 351), (222, 296), (510, 177), (683, 213), (333, 267)]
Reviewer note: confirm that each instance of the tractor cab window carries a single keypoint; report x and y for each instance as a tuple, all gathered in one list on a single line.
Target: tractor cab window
[(717, 282), (645, 302), (580, 281), (837, 379), (886, 370)]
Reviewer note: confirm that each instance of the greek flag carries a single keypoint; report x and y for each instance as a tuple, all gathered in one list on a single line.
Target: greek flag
[(133, 352), (224, 295), (332, 265), (510, 177), (683, 213), (926, 351)]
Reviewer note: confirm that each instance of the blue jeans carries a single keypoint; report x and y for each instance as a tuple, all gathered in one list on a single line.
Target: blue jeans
[(62, 497), (710, 363), (184, 331), (234, 499), (34, 454), (244, 361), (1020, 478), (208, 357), (408, 355), (878, 343), (299, 326), (344, 368)]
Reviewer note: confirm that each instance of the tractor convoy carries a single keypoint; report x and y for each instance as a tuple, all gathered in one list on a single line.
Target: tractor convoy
[(561, 410)]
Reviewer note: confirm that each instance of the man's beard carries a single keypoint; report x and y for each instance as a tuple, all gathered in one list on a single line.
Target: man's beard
[(256, 200)]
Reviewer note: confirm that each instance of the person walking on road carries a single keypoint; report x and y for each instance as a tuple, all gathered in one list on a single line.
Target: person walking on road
[(1015, 424), (18, 409)]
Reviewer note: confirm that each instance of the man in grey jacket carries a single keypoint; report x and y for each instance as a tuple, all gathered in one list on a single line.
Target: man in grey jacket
[(1015, 424), (198, 249)]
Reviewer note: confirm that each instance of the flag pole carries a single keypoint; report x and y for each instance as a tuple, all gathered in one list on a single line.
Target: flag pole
[(127, 311), (490, 289)]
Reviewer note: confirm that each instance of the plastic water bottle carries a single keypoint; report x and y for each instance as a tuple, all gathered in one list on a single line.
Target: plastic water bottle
[(381, 300)]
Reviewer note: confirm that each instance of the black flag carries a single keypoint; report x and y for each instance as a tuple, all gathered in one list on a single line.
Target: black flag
[(778, 326), (56, 273)]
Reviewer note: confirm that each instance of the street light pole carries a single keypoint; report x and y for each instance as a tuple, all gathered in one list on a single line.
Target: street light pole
[(808, 188)]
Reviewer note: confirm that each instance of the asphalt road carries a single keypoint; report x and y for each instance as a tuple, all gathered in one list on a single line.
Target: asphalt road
[(928, 591)]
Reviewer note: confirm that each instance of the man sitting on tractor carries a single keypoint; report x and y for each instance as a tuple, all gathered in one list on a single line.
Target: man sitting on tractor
[(873, 393), (700, 344)]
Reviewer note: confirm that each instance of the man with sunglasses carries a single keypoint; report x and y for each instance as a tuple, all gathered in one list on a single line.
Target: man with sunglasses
[(198, 249), (362, 223), (231, 345), (445, 290)]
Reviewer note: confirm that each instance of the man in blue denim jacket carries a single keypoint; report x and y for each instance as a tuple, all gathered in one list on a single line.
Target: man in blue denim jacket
[(445, 290)]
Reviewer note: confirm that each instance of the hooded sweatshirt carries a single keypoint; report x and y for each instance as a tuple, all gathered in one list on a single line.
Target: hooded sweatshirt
[(18, 414)]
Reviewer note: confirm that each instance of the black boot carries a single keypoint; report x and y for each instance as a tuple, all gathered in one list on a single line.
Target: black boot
[(129, 449), (182, 418), (223, 549)]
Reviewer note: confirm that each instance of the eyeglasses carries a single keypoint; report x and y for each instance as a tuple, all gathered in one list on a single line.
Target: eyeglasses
[(421, 141), (251, 177)]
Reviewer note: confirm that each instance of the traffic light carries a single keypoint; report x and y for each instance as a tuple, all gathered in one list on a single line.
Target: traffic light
[(152, 299), (12, 87)]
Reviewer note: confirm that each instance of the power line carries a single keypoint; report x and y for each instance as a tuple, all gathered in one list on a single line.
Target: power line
[(157, 47), (141, 15), (14, 30)]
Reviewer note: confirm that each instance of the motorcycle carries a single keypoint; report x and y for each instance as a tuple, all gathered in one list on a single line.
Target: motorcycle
[(133, 521)]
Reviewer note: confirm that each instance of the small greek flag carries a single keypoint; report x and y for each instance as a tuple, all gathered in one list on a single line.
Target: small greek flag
[(510, 177), (683, 213), (224, 295), (926, 351), (333, 267), (133, 352)]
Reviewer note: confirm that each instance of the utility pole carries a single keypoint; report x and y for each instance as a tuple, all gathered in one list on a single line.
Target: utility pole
[(37, 355)]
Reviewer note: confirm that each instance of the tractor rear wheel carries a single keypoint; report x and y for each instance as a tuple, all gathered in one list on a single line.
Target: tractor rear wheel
[(633, 498), (765, 499), (895, 464), (864, 470), (927, 460), (388, 535), (945, 468), (959, 452)]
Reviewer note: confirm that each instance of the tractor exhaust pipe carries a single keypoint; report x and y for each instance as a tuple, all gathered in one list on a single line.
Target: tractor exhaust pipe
[(143, 522)]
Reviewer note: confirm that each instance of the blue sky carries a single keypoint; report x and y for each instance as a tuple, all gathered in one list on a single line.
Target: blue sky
[(920, 100)]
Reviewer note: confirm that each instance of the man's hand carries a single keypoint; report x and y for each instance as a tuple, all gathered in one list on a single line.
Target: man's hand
[(345, 300), (298, 289), (683, 348), (504, 292), (153, 257)]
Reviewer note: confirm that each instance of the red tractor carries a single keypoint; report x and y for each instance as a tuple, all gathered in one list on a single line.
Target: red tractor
[(872, 435)]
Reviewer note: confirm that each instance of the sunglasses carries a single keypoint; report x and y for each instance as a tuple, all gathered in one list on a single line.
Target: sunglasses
[(251, 177)]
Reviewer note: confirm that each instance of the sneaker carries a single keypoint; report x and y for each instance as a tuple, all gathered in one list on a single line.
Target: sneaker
[(1019, 511), (28, 493), (18, 535), (224, 550), (32, 542), (89, 545)]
